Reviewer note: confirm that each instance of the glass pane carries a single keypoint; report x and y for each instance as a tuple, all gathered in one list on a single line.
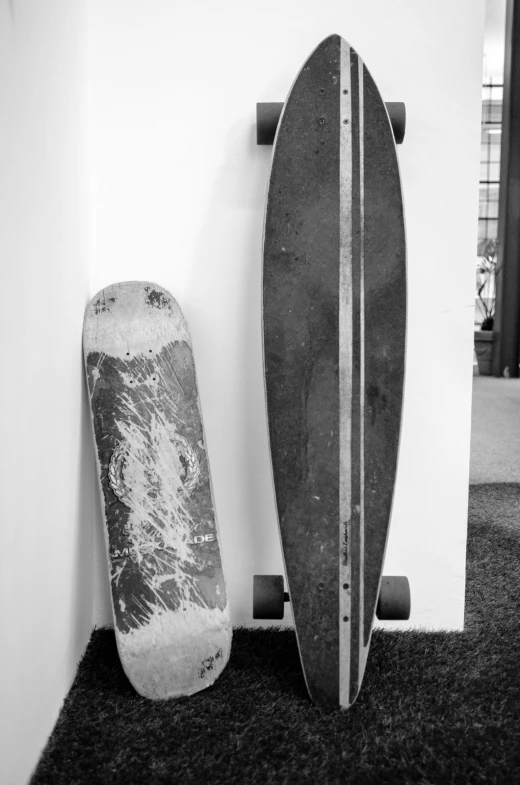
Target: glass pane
[(494, 151), (492, 210), (494, 172), (490, 161)]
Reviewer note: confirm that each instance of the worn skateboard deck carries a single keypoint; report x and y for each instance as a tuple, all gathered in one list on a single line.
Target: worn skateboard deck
[(169, 599), (334, 317)]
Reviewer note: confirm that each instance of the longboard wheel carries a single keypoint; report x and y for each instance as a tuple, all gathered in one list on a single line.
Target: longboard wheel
[(268, 597), (397, 113), (267, 117), (394, 601)]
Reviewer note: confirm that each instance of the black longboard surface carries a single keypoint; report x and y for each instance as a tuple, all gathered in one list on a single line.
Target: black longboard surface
[(334, 321)]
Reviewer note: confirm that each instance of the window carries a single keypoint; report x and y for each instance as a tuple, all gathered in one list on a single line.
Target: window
[(489, 163)]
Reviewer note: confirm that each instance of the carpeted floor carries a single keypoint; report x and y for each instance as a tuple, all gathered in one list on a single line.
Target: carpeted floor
[(495, 430), (434, 708)]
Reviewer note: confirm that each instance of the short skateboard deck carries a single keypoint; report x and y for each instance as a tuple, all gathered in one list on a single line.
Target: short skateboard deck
[(171, 612), (334, 324)]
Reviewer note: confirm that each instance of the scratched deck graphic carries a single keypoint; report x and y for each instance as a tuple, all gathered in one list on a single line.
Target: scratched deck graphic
[(169, 597)]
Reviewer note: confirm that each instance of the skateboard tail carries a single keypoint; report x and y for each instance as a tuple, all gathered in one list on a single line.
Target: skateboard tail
[(176, 654)]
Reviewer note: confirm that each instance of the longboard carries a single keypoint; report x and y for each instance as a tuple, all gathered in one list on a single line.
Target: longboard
[(171, 612), (334, 327)]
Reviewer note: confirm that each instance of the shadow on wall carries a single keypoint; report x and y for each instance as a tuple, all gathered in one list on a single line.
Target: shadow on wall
[(229, 357), (83, 601)]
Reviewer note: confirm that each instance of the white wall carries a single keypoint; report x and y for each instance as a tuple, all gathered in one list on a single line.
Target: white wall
[(177, 190), (46, 478), (176, 195), (494, 40)]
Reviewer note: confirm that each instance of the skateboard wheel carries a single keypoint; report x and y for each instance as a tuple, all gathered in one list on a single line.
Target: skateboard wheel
[(268, 597), (394, 601), (267, 117), (397, 113)]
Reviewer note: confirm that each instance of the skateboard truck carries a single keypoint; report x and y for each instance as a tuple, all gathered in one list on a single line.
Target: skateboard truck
[(393, 603), (268, 116)]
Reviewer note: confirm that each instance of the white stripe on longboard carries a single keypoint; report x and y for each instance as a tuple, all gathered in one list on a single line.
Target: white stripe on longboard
[(346, 383), (345, 374), (362, 652)]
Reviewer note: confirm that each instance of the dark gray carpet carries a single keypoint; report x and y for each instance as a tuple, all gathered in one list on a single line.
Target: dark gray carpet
[(434, 708)]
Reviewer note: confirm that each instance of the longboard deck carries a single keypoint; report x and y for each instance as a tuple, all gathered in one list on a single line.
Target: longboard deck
[(169, 599), (334, 319)]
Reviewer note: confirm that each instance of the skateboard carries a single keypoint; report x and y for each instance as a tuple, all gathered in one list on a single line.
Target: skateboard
[(334, 326), (169, 600)]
